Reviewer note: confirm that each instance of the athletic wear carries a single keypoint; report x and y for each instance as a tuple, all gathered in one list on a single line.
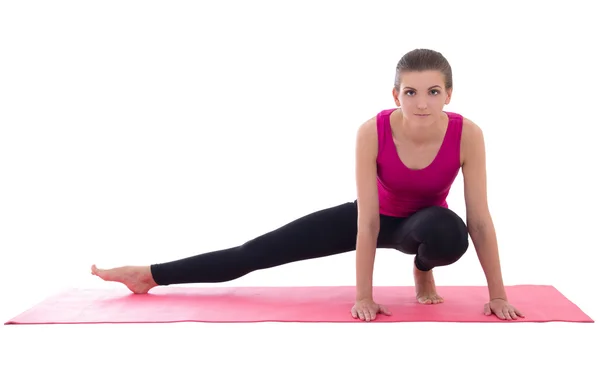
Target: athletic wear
[(414, 219), (403, 191), (435, 235)]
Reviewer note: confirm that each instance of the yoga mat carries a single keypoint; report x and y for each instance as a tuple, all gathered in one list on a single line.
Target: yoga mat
[(539, 303)]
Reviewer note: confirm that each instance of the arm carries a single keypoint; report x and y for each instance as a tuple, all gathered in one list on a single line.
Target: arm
[(368, 207), (479, 220)]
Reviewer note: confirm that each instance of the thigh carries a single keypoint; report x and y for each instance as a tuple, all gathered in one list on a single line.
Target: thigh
[(321, 233), (389, 231), (428, 224)]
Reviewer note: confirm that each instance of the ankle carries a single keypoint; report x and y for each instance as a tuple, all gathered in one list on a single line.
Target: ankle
[(146, 275), (421, 272)]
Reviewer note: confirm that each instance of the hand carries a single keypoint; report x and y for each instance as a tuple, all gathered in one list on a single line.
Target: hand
[(502, 309), (367, 310)]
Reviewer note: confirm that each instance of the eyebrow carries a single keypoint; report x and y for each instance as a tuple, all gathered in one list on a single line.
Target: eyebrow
[(428, 88)]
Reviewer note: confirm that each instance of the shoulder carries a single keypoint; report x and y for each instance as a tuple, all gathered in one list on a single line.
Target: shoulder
[(470, 130), (472, 140), (366, 135), (368, 138), (370, 127)]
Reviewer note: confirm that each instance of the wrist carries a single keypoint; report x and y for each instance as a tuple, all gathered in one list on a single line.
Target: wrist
[(496, 291), (364, 295)]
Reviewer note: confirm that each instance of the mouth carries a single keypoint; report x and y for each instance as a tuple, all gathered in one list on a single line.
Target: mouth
[(422, 114)]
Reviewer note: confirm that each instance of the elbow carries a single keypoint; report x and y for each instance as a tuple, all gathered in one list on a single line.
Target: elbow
[(369, 229), (478, 220), (479, 226), (369, 223)]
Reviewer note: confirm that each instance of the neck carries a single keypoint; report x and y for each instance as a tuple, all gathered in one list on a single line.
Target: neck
[(422, 131)]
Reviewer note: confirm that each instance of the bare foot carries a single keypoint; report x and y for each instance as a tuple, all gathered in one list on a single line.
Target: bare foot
[(425, 287), (138, 279)]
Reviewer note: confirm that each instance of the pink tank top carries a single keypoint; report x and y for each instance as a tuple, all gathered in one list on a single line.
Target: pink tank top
[(404, 191)]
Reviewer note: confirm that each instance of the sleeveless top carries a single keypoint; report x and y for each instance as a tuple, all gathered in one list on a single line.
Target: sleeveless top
[(404, 191)]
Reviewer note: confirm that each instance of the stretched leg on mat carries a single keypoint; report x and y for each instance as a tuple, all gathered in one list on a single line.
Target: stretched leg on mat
[(322, 233)]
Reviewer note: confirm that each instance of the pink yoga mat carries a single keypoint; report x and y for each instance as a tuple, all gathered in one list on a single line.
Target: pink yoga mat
[(290, 304)]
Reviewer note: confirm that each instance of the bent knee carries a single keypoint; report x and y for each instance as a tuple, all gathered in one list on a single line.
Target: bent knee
[(450, 229), (444, 216)]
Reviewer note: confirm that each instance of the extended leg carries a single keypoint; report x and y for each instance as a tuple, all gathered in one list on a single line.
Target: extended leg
[(319, 234)]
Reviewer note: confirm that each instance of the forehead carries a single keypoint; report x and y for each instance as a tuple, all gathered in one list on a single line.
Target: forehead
[(422, 79)]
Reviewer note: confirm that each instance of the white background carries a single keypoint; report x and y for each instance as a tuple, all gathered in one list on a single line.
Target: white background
[(137, 132)]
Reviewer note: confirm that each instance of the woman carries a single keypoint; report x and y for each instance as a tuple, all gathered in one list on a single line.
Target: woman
[(407, 158)]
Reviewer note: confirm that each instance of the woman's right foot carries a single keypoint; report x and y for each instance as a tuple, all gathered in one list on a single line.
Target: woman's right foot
[(425, 287), (138, 279)]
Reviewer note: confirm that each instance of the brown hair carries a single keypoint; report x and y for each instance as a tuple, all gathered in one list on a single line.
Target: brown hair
[(421, 60)]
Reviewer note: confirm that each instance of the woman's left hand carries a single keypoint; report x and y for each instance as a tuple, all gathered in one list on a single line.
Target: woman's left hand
[(502, 309)]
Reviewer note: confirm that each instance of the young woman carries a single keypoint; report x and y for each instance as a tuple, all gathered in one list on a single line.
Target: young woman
[(407, 159)]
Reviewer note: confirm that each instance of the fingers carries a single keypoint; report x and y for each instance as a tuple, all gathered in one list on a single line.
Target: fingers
[(499, 313), (487, 310), (508, 313), (514, 313), (518, 313), (360, 313), (503, 311), (369, 314), (365, 315)]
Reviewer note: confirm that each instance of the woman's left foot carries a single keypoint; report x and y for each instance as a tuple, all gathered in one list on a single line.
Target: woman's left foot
[(138, 279), (425, 287)]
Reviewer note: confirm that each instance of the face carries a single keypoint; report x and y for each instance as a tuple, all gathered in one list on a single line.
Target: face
[(422, 95)]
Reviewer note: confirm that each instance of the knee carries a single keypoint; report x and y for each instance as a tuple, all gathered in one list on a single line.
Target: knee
[(448, 230)]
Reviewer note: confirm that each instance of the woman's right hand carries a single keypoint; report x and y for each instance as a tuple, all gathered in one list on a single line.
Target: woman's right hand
[(367, 310)]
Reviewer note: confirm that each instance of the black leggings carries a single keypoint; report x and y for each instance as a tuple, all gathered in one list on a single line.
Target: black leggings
[(435, 235)]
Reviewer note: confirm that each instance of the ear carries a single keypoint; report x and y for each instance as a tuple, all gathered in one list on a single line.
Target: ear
[(449, 97), (396, 97)]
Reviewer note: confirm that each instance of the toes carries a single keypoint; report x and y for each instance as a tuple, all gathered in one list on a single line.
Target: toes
[(103, 274), (430, 299), (424, 300)]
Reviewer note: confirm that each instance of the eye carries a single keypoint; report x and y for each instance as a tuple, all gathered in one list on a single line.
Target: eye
[(433, 91)]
